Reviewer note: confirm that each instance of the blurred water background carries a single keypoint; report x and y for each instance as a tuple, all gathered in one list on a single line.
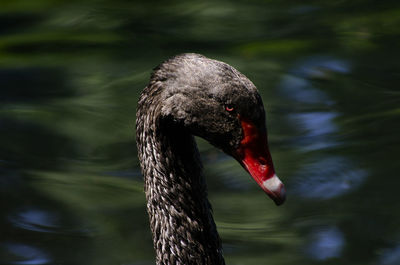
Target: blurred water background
[(71, 191)]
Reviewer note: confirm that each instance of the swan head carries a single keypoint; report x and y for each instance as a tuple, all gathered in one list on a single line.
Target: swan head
[(213, 100)]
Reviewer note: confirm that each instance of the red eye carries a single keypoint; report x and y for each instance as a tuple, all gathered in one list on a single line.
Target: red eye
[(229, 108)]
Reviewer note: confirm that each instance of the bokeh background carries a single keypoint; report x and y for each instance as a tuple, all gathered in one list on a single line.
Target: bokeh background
[(71, 191)]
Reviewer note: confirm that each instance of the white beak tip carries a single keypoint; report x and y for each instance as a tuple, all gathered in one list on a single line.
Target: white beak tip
[(275, 189)]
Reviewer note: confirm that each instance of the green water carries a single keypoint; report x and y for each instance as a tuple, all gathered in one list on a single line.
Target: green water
[(71, 191)]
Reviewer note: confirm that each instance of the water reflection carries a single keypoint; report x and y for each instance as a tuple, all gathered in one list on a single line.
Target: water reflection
[(316, 123), (35, 220), (317, 129), (298, 88), (21, 254), (297, 85), (321, 67), (328, 178), (39, 220), (326, 243), (391, 256)]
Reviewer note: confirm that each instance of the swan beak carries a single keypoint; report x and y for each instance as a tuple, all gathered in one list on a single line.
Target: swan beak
[(253, 154)]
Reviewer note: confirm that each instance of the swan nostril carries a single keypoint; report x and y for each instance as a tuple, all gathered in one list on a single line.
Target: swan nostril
[(262, 161)]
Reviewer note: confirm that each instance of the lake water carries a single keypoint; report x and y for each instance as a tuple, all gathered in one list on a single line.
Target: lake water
[(71, 191)]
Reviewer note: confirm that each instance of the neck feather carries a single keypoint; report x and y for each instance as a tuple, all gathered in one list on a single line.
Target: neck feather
[(183, 228)]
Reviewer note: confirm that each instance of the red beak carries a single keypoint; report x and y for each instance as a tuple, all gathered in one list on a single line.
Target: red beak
[(253, 154)]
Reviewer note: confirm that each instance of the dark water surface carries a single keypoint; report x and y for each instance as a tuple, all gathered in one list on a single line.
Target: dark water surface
[(71, 191)]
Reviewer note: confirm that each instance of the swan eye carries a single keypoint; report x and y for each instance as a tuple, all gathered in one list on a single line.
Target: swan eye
[(229, 108)]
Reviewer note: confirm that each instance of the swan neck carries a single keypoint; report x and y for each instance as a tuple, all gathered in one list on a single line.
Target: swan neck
[(183, 228)]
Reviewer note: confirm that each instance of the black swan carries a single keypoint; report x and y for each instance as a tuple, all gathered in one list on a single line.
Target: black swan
[(188, 95)]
